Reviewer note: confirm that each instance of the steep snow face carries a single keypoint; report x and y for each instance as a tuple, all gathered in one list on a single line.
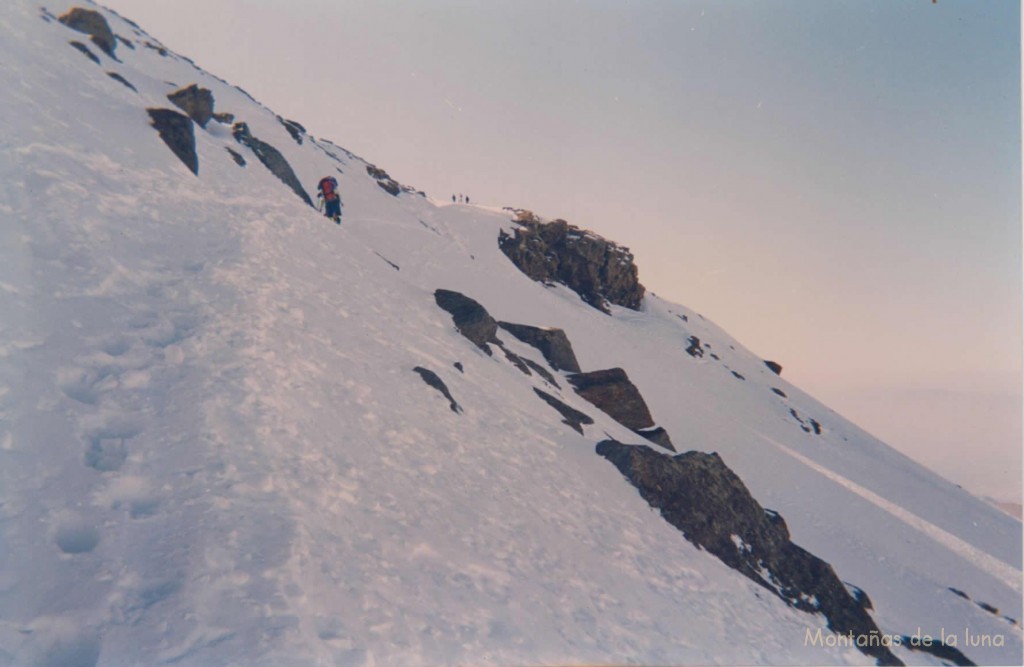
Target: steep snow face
[(214, 448)]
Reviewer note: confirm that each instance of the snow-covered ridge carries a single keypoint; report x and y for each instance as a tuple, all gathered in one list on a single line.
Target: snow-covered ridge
[(214, 448)]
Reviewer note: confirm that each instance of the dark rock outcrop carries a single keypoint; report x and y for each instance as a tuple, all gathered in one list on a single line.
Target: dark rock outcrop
[(541, 371), (431, 378), (294, 129), (552, 343), (570, 416), (612, 392), (388, 184), (774, 367), (177, 132), (224, 118), (779, 392), (120, 79), (471, 319), (237, 157), (271, 159), (600, 271), (196, 102), (698, 494), (694, 350), (516, 360), (91, 23), (944, 652), (85, 50), (658, 436)]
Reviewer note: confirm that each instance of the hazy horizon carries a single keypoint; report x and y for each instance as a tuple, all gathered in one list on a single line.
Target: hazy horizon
[(836, 184)]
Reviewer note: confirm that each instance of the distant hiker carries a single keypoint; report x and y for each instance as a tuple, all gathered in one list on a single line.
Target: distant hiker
[(467, 199), (453, 199), (327, 192)]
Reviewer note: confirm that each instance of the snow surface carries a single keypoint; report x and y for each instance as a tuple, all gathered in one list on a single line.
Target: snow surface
[(214, 451)]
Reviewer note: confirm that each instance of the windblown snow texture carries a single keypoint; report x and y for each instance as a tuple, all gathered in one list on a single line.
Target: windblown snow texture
[(213, 449)]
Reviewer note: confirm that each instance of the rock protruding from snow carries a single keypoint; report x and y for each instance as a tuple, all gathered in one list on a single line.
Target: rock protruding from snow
[(177, 132), (271, 159), (552, 343), (294, 129), (388, 184), (432, 379), (471, 319), (774, 367), (600, 271), (702, 497), (570, 416), (91, 23), (85, 51), (613, 393), (196, 102)]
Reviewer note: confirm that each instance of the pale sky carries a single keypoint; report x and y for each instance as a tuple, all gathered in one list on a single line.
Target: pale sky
[(835, 183)]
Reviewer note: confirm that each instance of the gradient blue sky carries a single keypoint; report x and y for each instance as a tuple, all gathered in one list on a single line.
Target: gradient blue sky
[(836, 183)]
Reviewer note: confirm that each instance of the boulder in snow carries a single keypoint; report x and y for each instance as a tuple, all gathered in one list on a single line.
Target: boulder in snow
[(177, 132), (91, 23), (552, 343), (471, 319), (196, 102)]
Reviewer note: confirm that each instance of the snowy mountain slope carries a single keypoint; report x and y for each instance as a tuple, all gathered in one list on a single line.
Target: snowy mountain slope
[(215, 451)]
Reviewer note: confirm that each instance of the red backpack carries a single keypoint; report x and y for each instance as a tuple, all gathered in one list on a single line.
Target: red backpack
[(328, 186)]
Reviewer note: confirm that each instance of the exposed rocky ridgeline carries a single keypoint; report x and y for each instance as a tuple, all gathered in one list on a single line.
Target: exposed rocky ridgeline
[(177, 132), (698, 494), (600, 271), (552, 343), (271, 159), (196, 102), (92, 23), (613, 393)]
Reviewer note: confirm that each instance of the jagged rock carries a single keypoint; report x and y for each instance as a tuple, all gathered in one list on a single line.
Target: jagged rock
[(612, 392), (271, 159), (458, 366), (471, 319), (120, 79), (85, 49), (196, 102), (541, 371), (694, 350), (552, 343), (779, 392), (224, 118), (859, 595), (124, 40), (600, 271), (237, 157), (658, 436), (294, 129), (774, 367), (431, 378), (91, 23), (815, 425), (698, 494), (570, 416), (516, 360), (388, 184), (156, 47), (177, 132), (736, 375)]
